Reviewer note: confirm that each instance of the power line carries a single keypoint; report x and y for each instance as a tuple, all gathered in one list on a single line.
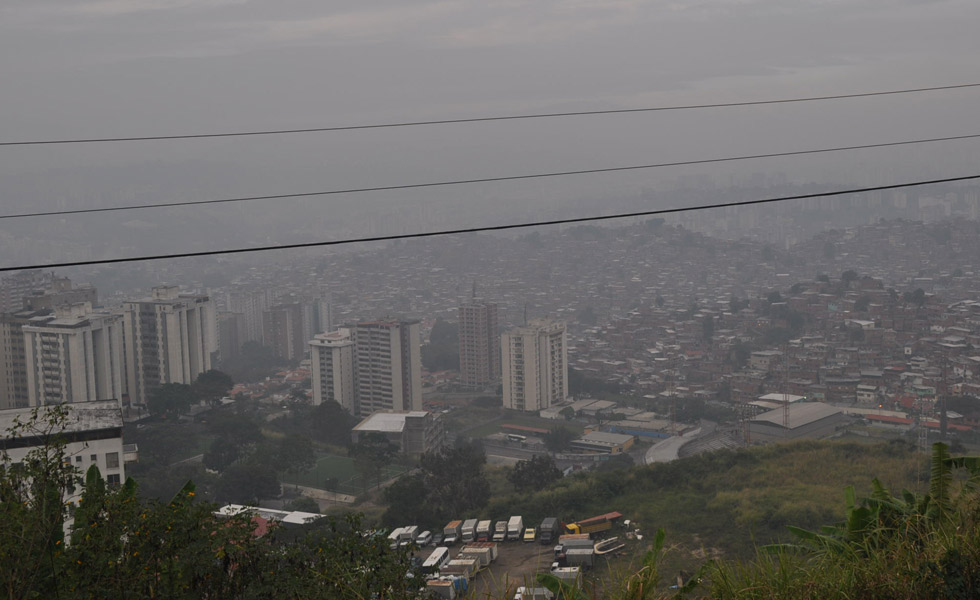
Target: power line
[(579, 113), (385, 238), (409, 186)]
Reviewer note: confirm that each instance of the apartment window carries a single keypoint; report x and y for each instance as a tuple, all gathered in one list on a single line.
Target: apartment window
[(112, 460), (113, 479), (78, 458), (95, 457)]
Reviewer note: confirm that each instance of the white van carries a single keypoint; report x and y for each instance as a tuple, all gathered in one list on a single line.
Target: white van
[(424, 539)]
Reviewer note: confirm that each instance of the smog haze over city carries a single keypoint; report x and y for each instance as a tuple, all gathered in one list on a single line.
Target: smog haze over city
[(707, 364)]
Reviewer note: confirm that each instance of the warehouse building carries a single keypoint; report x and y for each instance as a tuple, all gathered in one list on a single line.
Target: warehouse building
[(802, 420), (600, 442)]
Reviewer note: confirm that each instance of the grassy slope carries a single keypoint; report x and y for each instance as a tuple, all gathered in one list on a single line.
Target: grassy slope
[(728, 500)]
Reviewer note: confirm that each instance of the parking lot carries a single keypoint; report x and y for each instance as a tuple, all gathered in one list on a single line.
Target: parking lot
[(516, 565)]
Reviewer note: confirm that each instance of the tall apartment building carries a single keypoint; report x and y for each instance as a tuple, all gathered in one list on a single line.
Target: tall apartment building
[(479, 344), (169, 338), (231, 335), (389, 366), (332, 358), (13, 358), (535, 365), (74, 355), (14, 288), (252, 304), (59, 292), (283, 330)]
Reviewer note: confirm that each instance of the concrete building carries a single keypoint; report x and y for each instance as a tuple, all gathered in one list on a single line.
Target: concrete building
[(388, 366), (169, 338), (232, 332), (535, 365), (92, 434), (14, 288), (59, 292), (801, 420), (332, 357), (414, 432), (479, 344), (13, 358), (74, 355), (600, 442), (284, 332), (252, 304)]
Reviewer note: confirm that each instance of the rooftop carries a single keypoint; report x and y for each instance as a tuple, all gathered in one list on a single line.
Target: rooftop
[(82, 416), (800, 414), (388, 422)]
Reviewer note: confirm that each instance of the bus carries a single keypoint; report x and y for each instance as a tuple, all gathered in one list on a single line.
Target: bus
[(436, 560), (516, 438)]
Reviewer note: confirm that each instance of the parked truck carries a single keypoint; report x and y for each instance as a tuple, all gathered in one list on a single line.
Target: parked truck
[(408, 536), (451, 533), (469, 530), (580, 557), (394, 537), (515, 527), (500, 531), (594, 524), (483, 533), (548, 531)]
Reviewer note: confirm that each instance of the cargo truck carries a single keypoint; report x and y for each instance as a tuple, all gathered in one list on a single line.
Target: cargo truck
[(595, 524), (408, 535), (515, 527), (580, 557), (469, 530), (492, 546), (451, 533), (394, 537), (483, 533), (500, 531), (548, 531)]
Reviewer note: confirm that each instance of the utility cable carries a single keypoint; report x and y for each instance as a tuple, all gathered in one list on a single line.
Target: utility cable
[(579, 113), (410, 186), (405, 236)]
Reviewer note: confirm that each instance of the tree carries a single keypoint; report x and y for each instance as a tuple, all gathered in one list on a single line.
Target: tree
[(740, 355), (823, 278), (170, 400), (372, 453), (454, 480), (304, 504), (222, 452), (558, 439), (330, 423), (847, 277), (774, 297), (248, 484), (295, 454), (616, 463), (534, 473), (659, 301), (211, 386), (862, 304)]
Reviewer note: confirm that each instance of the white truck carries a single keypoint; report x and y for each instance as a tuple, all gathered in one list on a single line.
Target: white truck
[(483, 533), (500, 531), (515, 528)]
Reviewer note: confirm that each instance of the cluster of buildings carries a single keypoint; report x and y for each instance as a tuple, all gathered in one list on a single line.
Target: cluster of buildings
[(60, 347)]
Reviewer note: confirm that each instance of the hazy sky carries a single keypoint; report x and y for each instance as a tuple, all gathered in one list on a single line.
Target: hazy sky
[(130, 67)]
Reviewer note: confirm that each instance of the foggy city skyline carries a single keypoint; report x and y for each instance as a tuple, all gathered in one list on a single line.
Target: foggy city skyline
[(603, 300)]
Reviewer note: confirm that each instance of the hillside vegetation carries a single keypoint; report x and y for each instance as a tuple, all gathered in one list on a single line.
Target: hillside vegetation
[(728, 501)]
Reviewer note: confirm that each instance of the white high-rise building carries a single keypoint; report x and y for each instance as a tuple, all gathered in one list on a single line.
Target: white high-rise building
[(389, 366), (535, 365), (74, 355), (479, 344), (169, 338), (332, 361), (252, 304)]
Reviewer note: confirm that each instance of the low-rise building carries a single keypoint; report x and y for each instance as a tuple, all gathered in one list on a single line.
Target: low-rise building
[(802, 420), (601, 442), (414, 432)]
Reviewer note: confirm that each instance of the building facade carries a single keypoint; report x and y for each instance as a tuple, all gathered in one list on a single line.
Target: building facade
[(388, 367), (283, 330), (479, 344), (169, 338), (414, 432), (535, 365), (13, 358), (332, 359), (231, 335), (74, 355)]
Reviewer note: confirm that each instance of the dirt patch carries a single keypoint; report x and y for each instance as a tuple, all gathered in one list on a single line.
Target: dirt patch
[(516, 565)]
